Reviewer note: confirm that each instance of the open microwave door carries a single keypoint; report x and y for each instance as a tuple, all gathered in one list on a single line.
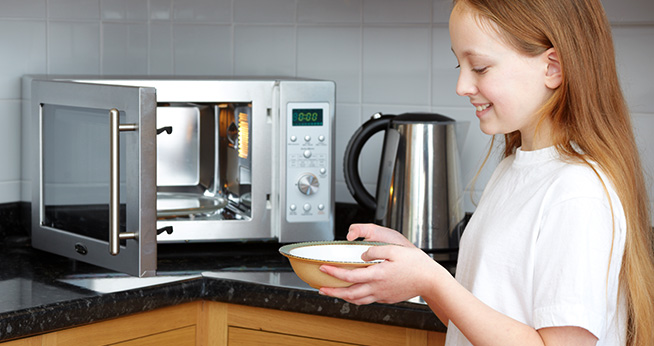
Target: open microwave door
[(94, 173)]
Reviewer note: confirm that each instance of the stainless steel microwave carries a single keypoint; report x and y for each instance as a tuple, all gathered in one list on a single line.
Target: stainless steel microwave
[(119, 165)]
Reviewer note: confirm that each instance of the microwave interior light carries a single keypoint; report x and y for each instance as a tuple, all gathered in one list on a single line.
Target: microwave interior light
[(243, 135)]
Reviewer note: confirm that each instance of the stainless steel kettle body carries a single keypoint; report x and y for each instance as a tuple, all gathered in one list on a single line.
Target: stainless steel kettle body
[(419, 190)]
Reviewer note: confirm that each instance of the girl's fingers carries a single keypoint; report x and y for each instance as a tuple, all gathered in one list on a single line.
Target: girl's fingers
[(374, 253), (359, 294), (372, 232), (360, 231), (349, 275)]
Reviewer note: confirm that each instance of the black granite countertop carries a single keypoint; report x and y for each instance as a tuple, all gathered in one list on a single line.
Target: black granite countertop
[(42, 292)]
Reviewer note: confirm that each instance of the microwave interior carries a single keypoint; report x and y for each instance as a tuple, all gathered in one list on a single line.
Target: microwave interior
[(203, 165), (203, 161)]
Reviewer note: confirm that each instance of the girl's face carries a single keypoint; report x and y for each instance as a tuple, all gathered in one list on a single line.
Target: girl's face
[(507, 88)]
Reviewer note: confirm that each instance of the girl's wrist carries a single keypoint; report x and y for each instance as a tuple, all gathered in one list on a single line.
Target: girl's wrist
[(435, 279)]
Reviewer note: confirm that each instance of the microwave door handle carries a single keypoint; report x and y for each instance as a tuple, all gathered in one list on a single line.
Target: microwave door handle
[(114, 181)]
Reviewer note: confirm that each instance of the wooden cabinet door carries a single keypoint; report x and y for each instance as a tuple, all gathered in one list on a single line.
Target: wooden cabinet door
[(177, 322), (250, 337), (33, 341), (179, 337), (252, 326)]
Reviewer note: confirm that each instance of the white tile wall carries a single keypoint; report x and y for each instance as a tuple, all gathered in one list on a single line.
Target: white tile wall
[(385, 55), (23, 49), (124, 9), (202, 49), (634, 46), (160, 49), (73, 47), (629, 11), (22, 8), (339, 60), (202, 10), (335, 12), (441, 11), (408, 11), (644, 125), (264, 49), (396, 65), (160, 9), (125, 48), (11, 170), (73, 9), (265, 11)]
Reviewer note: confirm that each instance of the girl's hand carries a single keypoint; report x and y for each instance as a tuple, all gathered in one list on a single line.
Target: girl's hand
[(407, 272), (372, 232)]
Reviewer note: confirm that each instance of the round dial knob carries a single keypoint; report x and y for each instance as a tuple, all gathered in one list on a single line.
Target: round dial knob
[(308, 184)]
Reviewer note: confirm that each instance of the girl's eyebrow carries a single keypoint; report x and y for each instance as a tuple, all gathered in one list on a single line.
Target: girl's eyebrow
[(469, 52)]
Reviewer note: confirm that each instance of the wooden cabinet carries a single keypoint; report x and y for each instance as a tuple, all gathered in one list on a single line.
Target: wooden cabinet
[(33, 341), (244, 325), (206, 323), (170, 326)]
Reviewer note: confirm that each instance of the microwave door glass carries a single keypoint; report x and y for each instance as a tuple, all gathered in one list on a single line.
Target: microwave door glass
[(76, 172)]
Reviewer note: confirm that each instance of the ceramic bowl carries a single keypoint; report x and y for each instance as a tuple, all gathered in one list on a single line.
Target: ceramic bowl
[(306, 259)]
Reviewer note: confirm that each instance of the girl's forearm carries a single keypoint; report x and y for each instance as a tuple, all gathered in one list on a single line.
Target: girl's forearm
[(481, 324), (437, 310)]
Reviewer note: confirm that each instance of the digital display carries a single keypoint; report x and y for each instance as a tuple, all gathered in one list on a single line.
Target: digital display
[(307, 117)]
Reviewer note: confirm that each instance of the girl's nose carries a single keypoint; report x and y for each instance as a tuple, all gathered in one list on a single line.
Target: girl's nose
[(465, 85)]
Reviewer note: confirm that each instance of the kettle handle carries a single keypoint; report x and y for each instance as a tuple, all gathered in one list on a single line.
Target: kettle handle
[(377, 123)]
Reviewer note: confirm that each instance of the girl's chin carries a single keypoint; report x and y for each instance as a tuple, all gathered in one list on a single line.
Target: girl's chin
[(489, 130)]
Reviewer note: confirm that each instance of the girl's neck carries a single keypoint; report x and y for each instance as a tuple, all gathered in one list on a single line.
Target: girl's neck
[(539, 138)]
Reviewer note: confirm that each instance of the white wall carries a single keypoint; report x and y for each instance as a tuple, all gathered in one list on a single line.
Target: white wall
[(385, 55)]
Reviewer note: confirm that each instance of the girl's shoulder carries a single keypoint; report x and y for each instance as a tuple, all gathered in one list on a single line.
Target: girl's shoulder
[(546, 168), (580, 180)]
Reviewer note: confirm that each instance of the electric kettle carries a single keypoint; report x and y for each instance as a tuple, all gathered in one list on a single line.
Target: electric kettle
[(419, 191)]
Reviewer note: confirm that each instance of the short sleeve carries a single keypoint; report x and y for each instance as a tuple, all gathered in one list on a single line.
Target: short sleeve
[(573, 285)]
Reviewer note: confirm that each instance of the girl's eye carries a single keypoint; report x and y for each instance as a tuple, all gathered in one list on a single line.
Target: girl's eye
[(457, 66), (479, 70)]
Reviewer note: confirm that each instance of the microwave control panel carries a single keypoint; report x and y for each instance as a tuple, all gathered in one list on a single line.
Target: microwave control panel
[(308, 162)]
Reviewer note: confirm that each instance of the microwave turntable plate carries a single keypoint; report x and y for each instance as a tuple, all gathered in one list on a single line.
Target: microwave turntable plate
[(170, 205)]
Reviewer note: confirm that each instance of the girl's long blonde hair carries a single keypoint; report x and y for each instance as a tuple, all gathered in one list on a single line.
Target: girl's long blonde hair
[(589, 110)]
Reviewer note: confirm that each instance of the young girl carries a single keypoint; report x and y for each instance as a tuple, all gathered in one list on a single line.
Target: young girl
[(559, 249)]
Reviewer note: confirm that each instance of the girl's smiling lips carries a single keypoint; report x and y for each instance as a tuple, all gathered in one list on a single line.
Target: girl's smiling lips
[(481, 108)]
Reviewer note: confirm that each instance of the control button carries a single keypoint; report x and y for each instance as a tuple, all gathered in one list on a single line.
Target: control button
[(308, 184), (293, 207), (293, 138), (323, 170), (321, 138), (307, 138), (306, 207), (307, 153), (321, 206)]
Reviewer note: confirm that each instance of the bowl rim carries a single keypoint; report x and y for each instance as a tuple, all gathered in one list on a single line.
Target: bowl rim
[(286, 250)]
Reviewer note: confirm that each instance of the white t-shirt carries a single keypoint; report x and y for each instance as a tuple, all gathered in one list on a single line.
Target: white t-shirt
[(537, 247)]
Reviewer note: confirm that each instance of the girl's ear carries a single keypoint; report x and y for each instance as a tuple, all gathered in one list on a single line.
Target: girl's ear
[(554, 76)]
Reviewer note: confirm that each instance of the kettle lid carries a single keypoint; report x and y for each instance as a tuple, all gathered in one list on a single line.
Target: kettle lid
[(422, 118)]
